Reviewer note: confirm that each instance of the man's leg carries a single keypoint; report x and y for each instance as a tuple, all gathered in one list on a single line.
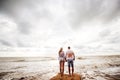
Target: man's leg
[(72, 64), (69, 70), (72, 70), (69, 67)]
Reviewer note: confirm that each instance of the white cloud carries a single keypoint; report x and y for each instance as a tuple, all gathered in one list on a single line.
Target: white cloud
[(8, 31)]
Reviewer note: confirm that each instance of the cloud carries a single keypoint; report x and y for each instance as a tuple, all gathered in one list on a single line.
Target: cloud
[(94, 38), (3, 42), (82, 12), (8, 31), (88, 26)]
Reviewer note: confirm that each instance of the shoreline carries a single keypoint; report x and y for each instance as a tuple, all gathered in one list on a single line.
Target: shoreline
[(35, 68)]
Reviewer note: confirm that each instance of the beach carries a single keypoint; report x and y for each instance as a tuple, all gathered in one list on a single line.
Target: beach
[(44, 68)]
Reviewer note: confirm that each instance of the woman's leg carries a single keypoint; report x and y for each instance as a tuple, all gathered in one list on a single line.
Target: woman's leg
[(62, 68)]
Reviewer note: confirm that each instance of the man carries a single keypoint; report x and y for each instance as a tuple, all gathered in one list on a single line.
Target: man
[(70, 57)]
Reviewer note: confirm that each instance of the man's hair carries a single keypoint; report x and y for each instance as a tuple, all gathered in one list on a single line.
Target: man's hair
[(68, 47)]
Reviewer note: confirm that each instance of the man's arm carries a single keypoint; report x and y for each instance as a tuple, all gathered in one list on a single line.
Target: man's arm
[(73, 56)]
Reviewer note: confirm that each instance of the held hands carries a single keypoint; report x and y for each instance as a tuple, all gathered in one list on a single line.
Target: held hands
[(65, 60), (73, 58)]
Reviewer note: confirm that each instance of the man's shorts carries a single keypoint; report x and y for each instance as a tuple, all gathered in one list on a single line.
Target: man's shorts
[(70, 63)]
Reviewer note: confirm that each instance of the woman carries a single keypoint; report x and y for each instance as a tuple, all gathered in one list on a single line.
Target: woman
[(61, 61)]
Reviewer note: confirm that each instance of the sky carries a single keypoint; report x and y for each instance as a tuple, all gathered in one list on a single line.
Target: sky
[(41, 27)]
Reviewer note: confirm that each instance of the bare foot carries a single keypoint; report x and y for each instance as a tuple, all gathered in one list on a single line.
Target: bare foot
[(69, 75), (73, 75)]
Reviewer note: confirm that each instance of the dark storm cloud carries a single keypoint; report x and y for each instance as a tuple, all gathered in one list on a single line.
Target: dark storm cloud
[(3, 3), (84, 11), (80, 11), (27, 14), (23, 12), (7, 8), (115, 12)]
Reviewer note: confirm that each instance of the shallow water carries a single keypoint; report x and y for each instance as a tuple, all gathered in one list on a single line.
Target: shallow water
[(91, 68)]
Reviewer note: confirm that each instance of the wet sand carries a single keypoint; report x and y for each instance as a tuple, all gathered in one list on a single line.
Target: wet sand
[(45, 68), (66, 77)]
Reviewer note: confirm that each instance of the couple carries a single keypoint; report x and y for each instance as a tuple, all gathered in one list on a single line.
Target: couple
[(68, 57)]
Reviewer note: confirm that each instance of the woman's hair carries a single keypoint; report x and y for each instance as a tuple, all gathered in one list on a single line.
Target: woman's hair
[(60, 50)]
